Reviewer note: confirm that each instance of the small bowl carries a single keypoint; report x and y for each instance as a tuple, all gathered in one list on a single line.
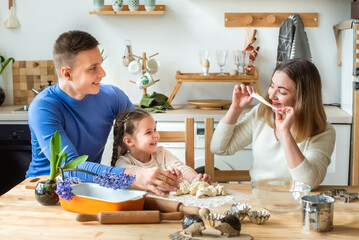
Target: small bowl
[(258, 217), (239, 209), (211, 218), (280, 195), (91, 198)]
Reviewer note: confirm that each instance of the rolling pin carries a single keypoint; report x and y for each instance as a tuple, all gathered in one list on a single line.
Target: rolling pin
[(129, 217), (153, 203)]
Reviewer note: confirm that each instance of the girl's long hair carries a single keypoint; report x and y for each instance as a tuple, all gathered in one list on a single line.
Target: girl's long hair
[(310, 118)]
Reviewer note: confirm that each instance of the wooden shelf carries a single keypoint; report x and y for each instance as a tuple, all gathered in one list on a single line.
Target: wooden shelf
[(159, 10), (212, 77), (266, 19)]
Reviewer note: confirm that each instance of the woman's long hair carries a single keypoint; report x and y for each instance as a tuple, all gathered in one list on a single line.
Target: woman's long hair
[(125, 125), (310, 118)]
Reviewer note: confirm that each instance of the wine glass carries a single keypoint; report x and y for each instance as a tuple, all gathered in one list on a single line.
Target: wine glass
[(221, 60), (238, 59), (204, 61), (245, 63)]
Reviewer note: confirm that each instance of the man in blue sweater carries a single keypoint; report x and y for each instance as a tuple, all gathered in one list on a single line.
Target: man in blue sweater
[(82, 110)]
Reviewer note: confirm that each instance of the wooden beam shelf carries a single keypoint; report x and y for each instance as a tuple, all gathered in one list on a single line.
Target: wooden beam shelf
[(266, 19), (213, 77), (108, 10)]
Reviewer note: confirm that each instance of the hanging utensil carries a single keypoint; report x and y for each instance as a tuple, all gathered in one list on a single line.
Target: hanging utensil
[(128, 56), (250, 45), (11, 21)]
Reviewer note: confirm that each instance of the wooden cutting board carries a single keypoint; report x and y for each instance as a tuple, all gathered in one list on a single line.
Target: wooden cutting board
[(31, 74)]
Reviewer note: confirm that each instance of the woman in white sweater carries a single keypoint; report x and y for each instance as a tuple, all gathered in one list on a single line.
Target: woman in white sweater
[(293, 141)]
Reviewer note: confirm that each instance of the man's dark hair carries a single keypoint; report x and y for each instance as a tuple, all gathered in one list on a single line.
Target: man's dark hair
[(69, 44)]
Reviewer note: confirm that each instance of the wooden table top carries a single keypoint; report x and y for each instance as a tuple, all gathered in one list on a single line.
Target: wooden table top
[(22, 217)]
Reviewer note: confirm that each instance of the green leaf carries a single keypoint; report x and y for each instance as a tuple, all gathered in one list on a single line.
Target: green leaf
[(79, 170), (60, 156), (5, 64), (74, 163), (55, 148), (53, 160), (57, 145), (43, 150)]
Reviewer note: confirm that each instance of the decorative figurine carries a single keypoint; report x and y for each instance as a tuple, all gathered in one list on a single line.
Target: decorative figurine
[(193, 224), (228, 225)]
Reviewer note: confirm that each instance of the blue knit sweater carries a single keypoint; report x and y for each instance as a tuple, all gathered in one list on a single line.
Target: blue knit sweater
[(84, 126)]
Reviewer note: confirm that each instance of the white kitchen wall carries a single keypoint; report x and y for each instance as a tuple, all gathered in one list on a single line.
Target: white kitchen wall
[(186, 27)]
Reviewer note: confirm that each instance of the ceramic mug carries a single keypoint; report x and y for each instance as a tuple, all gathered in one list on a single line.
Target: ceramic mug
[(153, 65), (117, 5), (134, 67), (145, 81), (98, 5), (133, 5), (150, 5)]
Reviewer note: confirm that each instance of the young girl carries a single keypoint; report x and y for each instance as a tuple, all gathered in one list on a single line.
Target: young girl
[(135, 133)]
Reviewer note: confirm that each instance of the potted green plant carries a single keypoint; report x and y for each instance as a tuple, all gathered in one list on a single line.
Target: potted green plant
[(3, 64), (45, 190), (48, 192)]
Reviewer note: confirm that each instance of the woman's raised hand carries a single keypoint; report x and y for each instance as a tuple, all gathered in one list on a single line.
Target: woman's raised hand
[(241, 96), (284, 119)]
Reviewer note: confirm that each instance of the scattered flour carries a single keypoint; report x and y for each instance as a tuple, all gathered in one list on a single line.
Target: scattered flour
[(207, 202)]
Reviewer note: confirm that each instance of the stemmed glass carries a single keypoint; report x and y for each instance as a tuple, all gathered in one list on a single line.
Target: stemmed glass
[(221, 60), (238, 59), (204, 61), (245, 63)]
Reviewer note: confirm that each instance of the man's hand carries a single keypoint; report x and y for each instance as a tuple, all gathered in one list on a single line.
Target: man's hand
[(152, 178)]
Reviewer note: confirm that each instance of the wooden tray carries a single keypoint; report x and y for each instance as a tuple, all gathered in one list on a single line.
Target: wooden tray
[(210, 103)]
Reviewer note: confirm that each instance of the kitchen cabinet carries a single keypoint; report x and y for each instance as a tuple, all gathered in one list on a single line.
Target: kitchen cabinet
[(159, 10)]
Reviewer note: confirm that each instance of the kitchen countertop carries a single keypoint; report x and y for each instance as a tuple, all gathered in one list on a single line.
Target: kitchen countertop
[(335, 115), (24, 218)]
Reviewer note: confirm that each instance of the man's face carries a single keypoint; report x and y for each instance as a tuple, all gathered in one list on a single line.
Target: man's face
[(86, 74)]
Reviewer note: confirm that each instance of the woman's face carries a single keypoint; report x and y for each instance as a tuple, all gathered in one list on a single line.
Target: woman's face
[(282, 90)]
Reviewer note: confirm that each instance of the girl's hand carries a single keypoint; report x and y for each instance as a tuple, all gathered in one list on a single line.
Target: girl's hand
[(204, 177), (284, 119), (175, 172), (241, 96)]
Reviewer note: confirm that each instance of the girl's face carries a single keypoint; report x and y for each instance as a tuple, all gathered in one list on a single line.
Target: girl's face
[(145, 137), (282, 90)]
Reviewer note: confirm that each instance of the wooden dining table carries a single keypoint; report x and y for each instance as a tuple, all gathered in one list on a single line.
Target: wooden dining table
[(22, 217)]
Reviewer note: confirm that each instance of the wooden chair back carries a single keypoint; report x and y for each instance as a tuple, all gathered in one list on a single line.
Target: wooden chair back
[(186, 136), (219, 175)]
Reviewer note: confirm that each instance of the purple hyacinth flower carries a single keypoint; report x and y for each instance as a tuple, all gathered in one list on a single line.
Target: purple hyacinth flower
[(111, 180), (64, 189)]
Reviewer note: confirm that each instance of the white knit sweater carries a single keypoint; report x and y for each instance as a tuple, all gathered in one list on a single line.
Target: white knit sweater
[(268, 155)]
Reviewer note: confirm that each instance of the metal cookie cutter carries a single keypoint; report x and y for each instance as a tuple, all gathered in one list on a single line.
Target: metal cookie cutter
[(337, 191), (348, 197), (328, 193)]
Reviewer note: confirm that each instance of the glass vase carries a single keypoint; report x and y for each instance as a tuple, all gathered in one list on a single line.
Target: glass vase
[(45, 192), (2, 96)]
